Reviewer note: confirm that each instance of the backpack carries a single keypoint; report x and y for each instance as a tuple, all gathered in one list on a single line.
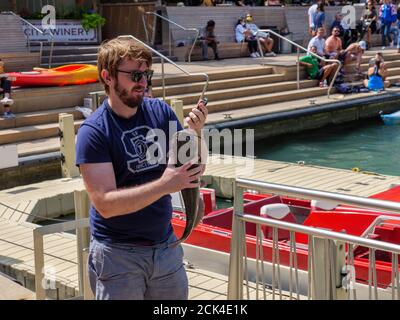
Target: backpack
[(343, 88)]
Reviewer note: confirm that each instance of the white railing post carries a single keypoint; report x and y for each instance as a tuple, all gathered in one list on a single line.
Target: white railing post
[(235, 284), (81, 200)]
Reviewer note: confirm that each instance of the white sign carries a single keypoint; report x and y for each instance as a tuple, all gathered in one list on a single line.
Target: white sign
[(66, 31), (8, 156)]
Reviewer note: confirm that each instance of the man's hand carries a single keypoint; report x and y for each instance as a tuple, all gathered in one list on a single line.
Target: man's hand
[(197, 117), (175, 179)]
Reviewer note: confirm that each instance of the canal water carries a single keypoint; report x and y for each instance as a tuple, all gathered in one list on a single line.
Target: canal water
[(368, 145)]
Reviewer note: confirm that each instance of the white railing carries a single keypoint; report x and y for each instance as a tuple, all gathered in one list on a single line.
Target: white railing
[(96, 95), (51, 41), (169, 32), (329, 275), (298, 56)]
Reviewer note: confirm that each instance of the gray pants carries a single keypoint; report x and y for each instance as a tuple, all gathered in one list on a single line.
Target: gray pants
[(204, 48), (126, 272)]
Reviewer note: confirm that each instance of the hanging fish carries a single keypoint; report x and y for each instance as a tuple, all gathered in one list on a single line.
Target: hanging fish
[(185, 146)]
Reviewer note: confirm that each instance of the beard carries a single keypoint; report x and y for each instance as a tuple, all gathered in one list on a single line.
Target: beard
[(132, 100)]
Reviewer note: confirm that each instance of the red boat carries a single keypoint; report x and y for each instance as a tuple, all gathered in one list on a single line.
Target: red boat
[(215, 230)]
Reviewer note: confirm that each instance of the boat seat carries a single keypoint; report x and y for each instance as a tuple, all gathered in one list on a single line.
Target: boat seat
[(277, 211), (319, 205)]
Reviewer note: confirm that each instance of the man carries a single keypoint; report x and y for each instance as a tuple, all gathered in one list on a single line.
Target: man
[(319, 42), (311, 13), (333, 45), (388, 17), (338, 23), (315, 70), (208, 39), (354, 53), (266, 41), (5, 89), (130, 214)]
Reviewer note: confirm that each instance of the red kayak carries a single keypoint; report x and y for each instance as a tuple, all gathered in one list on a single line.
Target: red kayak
[(72, 74), (215, 230)]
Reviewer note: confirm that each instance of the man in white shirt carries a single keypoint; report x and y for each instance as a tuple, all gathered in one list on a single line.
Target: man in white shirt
[(319, 42), (311, 12)]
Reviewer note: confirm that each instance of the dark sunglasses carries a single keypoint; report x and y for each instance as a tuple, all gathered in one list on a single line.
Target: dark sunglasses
[(136, 76)]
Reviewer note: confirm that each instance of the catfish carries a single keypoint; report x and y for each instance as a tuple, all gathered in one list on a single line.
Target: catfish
[(186, 147)]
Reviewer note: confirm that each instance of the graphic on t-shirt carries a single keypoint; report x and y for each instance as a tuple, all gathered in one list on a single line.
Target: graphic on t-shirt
[(137, 143)]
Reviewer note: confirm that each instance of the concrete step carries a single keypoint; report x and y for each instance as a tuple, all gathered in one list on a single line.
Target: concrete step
[(263, 99), (66, 50), (39, 99), (29, 133), (71, 58), (38, 146), (393, 71), (37, 118), (157, 59), (58, 64), (219, 84), (213, 76), (246, 91)]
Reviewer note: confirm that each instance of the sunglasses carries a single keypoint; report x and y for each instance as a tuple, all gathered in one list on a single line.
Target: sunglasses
[(136, 75)]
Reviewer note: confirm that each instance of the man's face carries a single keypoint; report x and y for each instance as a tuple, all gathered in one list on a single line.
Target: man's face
[(314, 49), (335, 32), (129, 92), (320, 33)]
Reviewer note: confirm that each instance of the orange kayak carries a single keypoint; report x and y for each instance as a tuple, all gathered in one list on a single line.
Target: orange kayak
[(60, 76)]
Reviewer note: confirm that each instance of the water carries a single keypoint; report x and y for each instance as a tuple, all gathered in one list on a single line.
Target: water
[(368, 145)]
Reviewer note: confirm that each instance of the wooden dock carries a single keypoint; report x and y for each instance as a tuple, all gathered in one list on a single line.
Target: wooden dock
[(20, 205)]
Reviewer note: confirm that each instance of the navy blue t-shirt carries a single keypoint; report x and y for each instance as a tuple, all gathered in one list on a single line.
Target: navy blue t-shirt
[(127, 143)]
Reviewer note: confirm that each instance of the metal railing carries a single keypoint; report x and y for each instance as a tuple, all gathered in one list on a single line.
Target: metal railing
[(326, 256), (38, 247), (96, 95), (169, 32), (40, 42), (298, 56)]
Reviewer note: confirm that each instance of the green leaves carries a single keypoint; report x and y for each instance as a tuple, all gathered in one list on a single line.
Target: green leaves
[(92, 21)]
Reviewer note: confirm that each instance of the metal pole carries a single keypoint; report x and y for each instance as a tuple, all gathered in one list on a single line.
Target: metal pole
[(51, 51), (298, 68), (169, 41), (163, 77)]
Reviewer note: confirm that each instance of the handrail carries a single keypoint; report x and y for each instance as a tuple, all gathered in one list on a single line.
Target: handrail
[(238, 250), (169, 32), (312, 194), (41, 32), (298, 56), (205, 75)]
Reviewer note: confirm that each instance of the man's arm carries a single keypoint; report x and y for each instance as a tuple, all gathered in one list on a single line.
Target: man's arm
[(99, 179)]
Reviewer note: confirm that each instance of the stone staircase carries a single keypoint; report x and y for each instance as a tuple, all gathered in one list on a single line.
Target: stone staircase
[(85, 54), (35, 127)]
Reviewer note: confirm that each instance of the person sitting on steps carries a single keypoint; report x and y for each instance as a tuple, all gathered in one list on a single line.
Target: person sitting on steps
[(244, 35), (316, 71), (377, 74), (5, 89), (208, 39), (266, 41)]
